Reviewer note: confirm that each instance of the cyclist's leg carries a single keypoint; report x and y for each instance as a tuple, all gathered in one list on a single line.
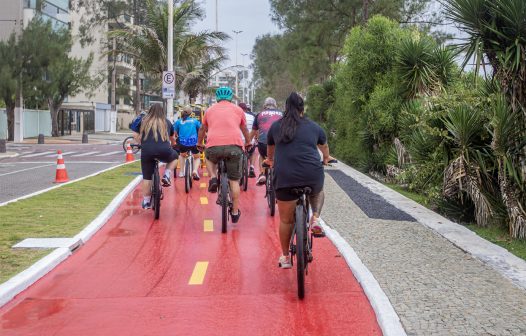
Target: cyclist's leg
[(212, 155), (182, 150), (197, 160), (316, 201), (251, 159), (147, 165), (286, 208), (169, 155), (262, 149), (233, 157)]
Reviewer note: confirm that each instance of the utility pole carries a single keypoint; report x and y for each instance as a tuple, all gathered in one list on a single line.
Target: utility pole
[(114, 77), (170, 101), (217, 25)]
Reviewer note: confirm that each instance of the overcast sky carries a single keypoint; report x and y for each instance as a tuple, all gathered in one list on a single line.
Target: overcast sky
[(250, 16)]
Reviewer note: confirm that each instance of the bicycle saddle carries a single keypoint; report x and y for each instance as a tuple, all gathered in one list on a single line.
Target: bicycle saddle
[(301, 191)]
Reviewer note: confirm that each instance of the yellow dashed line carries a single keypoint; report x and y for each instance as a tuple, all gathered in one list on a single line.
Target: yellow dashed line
[(208, 225), (198, 275), (202, 185), (204, 200)]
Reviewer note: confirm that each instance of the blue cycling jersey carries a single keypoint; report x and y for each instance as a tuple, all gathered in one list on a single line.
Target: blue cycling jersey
[(187, 130)]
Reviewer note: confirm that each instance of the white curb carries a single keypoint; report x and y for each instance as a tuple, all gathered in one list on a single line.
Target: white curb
[(106, 214), (63, 184), (498, 258), (24, 279), (385, 314), (21, 281)]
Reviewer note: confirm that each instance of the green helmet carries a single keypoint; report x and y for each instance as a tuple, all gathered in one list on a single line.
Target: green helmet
[(224, 93)]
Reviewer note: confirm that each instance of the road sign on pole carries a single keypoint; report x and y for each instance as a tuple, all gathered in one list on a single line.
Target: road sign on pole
[(168, 84)]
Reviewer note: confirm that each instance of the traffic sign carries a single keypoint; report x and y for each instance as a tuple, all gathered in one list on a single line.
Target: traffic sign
[(169, 84)]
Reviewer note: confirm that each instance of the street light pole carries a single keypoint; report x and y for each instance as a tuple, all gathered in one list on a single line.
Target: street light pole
[(237, 32), (217, 25), (170, 101)]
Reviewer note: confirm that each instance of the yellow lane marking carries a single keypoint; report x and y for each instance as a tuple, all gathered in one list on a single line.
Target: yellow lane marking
[(208, 225), (198, 275), (202, 185), (205, 174), (204, 200)]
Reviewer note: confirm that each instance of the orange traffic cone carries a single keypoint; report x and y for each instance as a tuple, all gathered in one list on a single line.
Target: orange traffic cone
[(129, 154), (62, 174)]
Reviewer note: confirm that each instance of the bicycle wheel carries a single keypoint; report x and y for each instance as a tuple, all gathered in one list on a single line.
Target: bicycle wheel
[(156, 194), (130, 140), (271, 195), (301, 249), (224, 202), (187, 176), (244, 176)]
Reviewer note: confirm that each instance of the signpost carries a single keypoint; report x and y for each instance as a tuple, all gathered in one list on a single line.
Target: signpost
[(168, 84)]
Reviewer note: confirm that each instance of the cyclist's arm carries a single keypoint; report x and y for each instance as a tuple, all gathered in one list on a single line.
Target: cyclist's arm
[(137, 137), (201, 135), (325, 151)]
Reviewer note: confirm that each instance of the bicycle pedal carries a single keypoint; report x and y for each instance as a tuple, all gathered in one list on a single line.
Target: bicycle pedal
[(319, 235)]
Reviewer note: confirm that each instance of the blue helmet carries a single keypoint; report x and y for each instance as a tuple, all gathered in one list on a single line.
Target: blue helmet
[(224, 93)]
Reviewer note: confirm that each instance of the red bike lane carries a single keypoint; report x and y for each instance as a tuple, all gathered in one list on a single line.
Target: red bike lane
[(181, 276)]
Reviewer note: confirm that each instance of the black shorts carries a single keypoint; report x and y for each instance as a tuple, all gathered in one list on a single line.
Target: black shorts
[(286, 194), (186, 149), (262, 149), (150, 154), (251, 151)]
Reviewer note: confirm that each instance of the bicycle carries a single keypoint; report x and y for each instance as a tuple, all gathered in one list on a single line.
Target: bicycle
[(224, 197), (188, 169), (156, 188), (244, 172), (270, 193), (301, 241), (133, 144)]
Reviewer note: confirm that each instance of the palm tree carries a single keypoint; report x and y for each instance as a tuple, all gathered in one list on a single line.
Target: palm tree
[(496, 36), (147, 42)]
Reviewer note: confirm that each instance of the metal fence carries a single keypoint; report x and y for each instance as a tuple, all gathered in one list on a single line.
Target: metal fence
[(35, 122)]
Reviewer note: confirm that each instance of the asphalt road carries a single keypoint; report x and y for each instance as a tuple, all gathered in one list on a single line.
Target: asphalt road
[(35, 166)]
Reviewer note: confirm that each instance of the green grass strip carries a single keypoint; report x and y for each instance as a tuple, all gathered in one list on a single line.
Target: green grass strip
[(61, 212)]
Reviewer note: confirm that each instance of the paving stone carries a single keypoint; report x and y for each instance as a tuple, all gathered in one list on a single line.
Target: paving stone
[(436, 288)]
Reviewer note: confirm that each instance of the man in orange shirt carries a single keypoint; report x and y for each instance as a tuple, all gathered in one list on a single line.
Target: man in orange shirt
[(221, 123)]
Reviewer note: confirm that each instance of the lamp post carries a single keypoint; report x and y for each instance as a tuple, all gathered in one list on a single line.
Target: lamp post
[(217, 25), (237, 32), (170, 101)]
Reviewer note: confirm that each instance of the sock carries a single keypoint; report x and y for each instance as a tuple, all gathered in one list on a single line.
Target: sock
[(147, 199), (168, 173)]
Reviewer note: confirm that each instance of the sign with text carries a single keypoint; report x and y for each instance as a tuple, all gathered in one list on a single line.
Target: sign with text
[(168, 84)]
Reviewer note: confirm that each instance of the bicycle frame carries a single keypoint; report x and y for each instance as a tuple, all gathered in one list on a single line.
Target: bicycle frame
[(224, 195)]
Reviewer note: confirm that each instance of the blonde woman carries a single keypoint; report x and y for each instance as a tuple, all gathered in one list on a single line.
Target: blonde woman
[(156, 136)]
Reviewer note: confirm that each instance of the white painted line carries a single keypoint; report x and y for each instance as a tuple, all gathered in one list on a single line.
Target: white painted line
[(106, 214), (22, 170), (112, 153), (385, 314), (507, 264), (47, 243), (85, 154), (37, 154), (21, 281), (63, 154), (24, 279), (61, 185)]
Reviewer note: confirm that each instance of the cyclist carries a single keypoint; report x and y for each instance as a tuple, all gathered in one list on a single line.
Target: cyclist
[(221, 123), (294, 142), (155, 134), (250, 121), (262, 124), (186, 130)]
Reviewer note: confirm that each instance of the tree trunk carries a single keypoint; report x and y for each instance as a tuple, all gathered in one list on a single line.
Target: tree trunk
[(366, 10), (516, 212), (10, 110), (137, 91), (53, 109)]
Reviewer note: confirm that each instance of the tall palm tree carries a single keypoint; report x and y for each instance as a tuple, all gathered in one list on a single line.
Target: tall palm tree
[(147, 42), (496, 34)]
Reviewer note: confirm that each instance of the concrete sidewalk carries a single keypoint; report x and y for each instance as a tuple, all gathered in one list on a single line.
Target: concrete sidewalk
[(435, 287)]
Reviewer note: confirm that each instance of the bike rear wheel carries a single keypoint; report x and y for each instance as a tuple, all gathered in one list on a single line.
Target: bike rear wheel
[(224, 202), (156, 193), (271, 195), (130, 140), (301, 249), (244, 176), (187, 176)]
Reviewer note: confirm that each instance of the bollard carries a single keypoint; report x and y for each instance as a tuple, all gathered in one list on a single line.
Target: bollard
[(41, 139), (85, 137), (3, 148)]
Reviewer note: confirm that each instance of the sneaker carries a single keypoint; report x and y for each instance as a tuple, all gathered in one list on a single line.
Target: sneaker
[(235, 218), (212, 185), (166, 181), (316, 229), (146, 205), (284, 262), (181, 174), (251, 173), (195, 176), (261, 180)]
